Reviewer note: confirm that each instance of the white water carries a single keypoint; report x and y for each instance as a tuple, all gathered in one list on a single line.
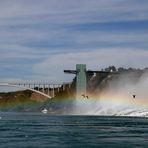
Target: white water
[(117, 99), (85, 107)]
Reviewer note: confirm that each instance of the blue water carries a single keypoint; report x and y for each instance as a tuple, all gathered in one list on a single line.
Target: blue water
[(33, 130)]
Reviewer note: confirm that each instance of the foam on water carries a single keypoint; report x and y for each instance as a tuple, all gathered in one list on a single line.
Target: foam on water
[(110, 107), (117, 99)]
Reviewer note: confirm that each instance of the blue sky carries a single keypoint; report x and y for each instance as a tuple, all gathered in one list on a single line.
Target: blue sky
[(39, 39)]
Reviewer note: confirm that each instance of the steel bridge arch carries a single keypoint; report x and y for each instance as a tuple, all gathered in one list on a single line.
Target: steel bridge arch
[(18, 86)]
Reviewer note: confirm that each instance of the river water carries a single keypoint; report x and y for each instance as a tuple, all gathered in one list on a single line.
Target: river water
[(33, 130)]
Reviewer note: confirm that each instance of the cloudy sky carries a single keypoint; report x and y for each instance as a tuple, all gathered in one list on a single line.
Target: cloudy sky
[(41, 38)]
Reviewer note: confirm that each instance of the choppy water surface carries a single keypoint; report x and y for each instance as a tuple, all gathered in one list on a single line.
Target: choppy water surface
[(40, 130)]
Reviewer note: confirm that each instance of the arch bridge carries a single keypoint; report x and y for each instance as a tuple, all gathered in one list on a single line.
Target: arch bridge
[(45, 89)]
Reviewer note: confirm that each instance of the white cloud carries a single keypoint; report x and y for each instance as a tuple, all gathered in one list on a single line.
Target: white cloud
[(68, 11), (34, 21), (52, 68), (14, 51), (109, 37)]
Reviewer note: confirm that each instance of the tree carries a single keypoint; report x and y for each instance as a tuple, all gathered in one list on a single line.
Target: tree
[(111, 68)]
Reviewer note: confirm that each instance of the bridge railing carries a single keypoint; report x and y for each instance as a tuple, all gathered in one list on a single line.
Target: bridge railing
[(46, 89)]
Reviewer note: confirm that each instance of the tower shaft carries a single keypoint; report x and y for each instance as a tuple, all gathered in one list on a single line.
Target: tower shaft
[(80, 80)]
